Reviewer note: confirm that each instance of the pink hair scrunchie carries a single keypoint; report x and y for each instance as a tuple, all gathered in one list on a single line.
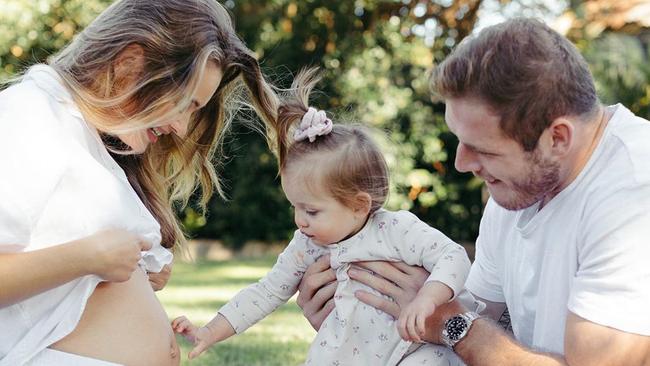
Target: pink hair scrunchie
[(314, 123)]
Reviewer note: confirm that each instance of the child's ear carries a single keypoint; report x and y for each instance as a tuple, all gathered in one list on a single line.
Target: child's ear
[(362, 201)]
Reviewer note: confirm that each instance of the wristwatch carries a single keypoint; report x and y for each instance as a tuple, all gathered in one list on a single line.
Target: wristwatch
[(457, 327)]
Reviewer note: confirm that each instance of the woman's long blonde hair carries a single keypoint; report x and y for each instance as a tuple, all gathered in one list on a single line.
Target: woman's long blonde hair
[(178, 38)]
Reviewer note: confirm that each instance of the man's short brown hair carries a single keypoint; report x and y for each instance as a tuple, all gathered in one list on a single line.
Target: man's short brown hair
[(525, 71)]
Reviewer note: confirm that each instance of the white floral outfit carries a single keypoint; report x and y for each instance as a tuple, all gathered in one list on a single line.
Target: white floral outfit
[(355, 333)]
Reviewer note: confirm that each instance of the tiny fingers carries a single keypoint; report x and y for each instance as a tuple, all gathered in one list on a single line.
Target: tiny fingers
[(200, 347), (411, 329), (177, 321), (181, 325), (420, 325)]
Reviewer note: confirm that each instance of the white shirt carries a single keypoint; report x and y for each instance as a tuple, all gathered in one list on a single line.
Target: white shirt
[(586, 251), (58, 184), (354, 333)]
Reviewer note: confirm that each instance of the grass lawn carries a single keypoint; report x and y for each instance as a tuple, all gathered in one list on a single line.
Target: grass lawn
[(198, 291)]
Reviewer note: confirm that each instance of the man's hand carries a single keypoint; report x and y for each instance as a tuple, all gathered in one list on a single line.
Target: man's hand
[(316, 291), (160, 279), (397, 280)]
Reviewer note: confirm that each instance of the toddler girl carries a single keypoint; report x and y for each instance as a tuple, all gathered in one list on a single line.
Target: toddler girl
[(337, 181)]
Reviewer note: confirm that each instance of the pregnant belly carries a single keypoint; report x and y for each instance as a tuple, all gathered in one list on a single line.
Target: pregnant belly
[(124, 323)]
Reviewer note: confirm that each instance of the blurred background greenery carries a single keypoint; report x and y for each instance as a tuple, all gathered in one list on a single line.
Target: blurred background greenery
[(375, 55)]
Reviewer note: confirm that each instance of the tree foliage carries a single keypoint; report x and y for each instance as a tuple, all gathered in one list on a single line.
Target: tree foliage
[(615, 39), (375, 56)]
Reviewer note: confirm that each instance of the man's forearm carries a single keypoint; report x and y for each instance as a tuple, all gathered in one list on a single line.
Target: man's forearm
[(487, 344)]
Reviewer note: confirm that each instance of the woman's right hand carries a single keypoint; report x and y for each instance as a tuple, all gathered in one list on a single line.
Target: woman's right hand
[(115, 253), (316, 292)]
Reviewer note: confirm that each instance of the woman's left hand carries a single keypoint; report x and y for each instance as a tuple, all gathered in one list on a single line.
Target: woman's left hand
[(397, 280), (159, 280)]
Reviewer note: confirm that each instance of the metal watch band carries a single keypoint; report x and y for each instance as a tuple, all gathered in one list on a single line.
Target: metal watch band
[(457, 327)]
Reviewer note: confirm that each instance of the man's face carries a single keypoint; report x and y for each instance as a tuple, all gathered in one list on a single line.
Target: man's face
[(515, 178)]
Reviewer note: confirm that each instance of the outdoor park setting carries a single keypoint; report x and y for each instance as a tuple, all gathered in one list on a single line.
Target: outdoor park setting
[(375, 57)]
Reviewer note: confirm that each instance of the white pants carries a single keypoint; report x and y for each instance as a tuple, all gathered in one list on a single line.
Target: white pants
[(51, 357)]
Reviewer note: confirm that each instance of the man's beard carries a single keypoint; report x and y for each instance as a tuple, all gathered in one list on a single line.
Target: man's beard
[(543, 177)]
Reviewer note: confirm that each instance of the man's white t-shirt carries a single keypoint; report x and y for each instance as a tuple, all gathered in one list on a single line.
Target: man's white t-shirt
[(586, 251), (57, 184)]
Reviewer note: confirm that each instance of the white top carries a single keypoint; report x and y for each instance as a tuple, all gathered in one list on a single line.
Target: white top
[(58, 184), (354, 333), (586, 251)]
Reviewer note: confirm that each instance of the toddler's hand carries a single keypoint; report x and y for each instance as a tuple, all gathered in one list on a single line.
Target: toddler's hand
[(411, 322), (199, 337), (411, 319)]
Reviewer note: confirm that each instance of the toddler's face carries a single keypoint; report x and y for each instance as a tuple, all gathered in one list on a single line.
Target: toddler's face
[(318, 215)]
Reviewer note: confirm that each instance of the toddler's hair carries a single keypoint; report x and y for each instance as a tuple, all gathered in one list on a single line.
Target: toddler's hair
[(345, 162)]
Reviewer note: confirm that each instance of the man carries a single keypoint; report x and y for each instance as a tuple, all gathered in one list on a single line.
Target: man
[(565, 237)]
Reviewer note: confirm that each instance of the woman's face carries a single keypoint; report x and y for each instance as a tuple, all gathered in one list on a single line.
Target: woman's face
[(139, 140)]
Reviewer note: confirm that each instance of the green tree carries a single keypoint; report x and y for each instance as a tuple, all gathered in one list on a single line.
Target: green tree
[(375, 56), (30, 31), (614, 38)]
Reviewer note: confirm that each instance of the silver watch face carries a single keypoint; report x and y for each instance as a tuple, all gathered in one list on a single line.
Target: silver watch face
[(456, 327)]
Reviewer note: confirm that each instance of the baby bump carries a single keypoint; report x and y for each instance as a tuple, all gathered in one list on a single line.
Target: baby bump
[(124, 323)]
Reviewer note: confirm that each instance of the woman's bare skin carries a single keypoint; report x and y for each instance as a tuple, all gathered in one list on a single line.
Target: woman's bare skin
[(124, 323)]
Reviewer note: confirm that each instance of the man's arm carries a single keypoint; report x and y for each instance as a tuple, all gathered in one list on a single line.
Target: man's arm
[(586, 343), (487, 343)]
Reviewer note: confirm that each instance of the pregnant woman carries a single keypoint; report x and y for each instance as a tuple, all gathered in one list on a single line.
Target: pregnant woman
[(95, 148)]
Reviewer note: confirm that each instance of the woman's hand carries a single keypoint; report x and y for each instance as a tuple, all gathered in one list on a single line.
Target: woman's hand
[(114, 254), (397, 280), (316, 292), (160, 279)]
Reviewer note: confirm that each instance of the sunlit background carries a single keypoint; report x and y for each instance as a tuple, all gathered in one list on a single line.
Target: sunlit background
[(375, 57)]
